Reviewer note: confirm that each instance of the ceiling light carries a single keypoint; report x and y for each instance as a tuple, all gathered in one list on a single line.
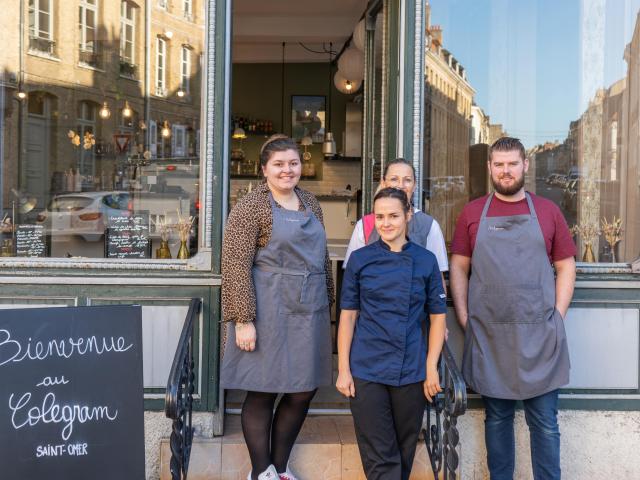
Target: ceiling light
[(238, 133)]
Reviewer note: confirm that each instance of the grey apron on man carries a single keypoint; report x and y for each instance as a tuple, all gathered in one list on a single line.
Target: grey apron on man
[(419, 228), (515, 343), (293, 348)]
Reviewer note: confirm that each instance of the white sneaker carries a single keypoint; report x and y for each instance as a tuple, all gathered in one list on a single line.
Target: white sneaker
[(269, 474), (287, 475)]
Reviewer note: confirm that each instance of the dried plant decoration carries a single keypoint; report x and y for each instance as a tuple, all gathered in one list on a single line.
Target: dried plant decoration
[(612, 234)]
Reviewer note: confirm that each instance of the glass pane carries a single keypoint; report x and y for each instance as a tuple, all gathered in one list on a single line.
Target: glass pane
[(32, 22), (90, 20), (562, 77), (77, 156), (44, 25)]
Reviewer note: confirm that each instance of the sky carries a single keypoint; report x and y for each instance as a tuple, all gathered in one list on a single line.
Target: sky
[(535, 64)]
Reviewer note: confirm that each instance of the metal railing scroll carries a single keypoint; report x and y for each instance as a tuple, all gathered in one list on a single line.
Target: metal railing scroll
[(178, 403), (441, 434)]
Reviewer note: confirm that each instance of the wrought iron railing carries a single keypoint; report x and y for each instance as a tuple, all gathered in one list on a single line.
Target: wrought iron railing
[(441, 435), (178, 403)]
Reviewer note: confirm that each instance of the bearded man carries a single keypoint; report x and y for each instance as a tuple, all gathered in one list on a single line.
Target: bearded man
[(512, 309)]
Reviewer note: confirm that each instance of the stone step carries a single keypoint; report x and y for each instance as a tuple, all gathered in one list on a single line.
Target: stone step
[(326, 450)]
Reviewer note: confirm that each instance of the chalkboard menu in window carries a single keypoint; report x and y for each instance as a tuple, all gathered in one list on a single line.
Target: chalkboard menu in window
[(127, 236), (71, 395), (30, 241)]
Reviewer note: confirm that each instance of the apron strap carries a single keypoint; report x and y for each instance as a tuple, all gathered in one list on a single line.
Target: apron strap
[(485, 210), (532, 209)]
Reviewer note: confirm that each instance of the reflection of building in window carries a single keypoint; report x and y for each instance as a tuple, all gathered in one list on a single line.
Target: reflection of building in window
[(161, 52), (40, 159), (613, 151), (479, 126), (87, 30), (448, 102), (178, 140), (41, 26), (185, 70), (589, 181), (629, 248), (86, 124), (127, 33)]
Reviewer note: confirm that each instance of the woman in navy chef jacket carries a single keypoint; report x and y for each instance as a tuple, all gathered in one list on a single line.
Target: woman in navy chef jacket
[(392, 289)]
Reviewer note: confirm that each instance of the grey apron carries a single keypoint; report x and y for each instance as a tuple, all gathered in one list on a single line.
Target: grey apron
[(515, 344), (419, 228), (293, 348)]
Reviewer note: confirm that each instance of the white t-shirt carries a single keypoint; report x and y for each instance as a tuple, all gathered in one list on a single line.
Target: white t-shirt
[(435, 243)]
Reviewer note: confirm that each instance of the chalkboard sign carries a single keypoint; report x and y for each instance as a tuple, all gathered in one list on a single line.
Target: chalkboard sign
[(30, 241), (71, 394), (128, 236)]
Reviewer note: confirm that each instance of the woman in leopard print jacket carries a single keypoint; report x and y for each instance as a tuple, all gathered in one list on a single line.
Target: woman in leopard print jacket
[(277, 289)]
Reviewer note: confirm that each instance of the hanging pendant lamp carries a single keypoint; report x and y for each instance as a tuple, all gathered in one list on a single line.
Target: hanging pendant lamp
[(329, 144)]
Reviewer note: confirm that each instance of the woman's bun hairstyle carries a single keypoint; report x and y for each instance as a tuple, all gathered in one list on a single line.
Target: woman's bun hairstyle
[(392, 192)]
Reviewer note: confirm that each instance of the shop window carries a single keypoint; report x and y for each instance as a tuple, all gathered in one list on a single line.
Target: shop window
[(41, 26), (566, 86), (90, 159)]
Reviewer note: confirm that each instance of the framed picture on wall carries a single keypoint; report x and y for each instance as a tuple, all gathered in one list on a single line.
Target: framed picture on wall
[(308, 117)]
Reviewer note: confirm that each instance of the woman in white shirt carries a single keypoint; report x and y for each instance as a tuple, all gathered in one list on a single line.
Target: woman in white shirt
[(423, 229)]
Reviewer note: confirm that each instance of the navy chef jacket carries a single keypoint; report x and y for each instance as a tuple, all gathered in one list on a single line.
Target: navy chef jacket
[(394, 292)]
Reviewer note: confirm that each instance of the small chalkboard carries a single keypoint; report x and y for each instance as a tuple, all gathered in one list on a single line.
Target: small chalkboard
[(127, 236), (31, 241), (71, 393)]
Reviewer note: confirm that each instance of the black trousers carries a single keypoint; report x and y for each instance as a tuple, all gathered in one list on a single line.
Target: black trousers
[(387, 422)]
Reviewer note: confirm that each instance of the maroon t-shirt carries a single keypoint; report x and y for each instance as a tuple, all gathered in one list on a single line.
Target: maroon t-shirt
[(557, 236)]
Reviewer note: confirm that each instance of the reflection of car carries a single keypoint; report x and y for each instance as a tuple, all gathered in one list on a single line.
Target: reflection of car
[(556, 179), (83, 213), (86, 214)]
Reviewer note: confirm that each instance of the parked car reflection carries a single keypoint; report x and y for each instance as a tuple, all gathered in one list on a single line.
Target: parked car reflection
[(84, 213)]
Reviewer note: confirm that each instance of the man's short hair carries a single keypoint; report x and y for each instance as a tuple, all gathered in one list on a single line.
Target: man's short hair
[(507, 144)]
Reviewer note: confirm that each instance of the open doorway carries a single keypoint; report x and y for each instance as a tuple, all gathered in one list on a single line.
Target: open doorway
[(298, 68)]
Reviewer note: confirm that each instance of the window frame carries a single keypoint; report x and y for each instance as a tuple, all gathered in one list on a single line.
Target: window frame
[(185, 69), (85, 6), (187, 8), (161, 70), (35, 30), (124, 23)]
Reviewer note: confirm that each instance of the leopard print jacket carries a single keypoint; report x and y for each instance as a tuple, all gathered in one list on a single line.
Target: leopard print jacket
[(248, 229)]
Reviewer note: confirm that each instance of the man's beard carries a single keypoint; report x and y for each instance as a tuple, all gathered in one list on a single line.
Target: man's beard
[(508, 191)]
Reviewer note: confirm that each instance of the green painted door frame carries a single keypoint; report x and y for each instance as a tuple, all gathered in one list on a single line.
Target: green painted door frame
[(403, 95)]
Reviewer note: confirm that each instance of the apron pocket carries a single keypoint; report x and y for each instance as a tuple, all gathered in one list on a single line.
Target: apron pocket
[(298, 296), (510, 304)]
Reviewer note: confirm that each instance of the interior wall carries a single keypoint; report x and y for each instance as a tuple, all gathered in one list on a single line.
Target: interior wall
[(256, 93)]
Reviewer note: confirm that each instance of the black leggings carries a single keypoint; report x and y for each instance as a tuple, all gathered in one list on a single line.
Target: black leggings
[(270, 436)]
